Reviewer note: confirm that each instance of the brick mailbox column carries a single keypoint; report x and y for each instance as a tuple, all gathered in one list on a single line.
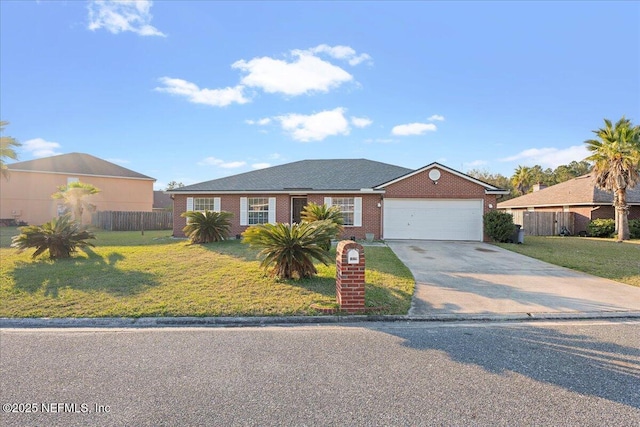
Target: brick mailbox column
[(350, 276)]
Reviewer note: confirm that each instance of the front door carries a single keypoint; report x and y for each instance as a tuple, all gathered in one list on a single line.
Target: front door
[(297, 204)]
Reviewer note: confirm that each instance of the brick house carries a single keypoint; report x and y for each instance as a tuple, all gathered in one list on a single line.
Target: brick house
[(378, 200), (579, 196), (26, 194)]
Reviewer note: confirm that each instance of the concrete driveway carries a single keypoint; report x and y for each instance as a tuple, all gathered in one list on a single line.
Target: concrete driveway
[(478, 278)]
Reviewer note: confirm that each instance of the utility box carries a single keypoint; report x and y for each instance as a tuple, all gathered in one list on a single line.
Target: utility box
[(350, 276)]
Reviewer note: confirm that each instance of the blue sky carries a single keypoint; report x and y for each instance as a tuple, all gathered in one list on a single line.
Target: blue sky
[(196, 90)]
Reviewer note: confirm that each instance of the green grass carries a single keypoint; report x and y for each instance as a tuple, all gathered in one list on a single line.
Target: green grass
[(600, 257), (132, 275)]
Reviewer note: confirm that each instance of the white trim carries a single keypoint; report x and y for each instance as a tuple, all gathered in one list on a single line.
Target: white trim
[(357, 211), (272, 210), (82, 174), (244, 215), (251, 192)]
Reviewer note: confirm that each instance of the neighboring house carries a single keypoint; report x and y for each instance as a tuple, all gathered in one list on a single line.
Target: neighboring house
[(162, 201), (26, 195), (579, 196), (376, 199)]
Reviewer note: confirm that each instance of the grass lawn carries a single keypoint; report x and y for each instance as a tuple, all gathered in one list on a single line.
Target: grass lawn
[(600, 257), (131, 275)]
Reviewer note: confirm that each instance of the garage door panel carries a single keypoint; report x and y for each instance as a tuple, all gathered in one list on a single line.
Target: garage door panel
[(433, 219)]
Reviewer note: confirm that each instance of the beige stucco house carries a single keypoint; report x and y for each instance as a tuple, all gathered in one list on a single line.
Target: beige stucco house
[(26, 195)]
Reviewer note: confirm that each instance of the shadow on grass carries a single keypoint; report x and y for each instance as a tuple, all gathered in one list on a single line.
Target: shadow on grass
[(94, 273)]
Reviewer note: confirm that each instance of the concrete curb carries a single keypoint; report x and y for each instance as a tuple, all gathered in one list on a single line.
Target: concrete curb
[(166, 322)]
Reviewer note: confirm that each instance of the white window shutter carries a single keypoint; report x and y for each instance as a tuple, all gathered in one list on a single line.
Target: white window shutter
[(272, 210), (244, 215), (357, 211), (216, 204), (189, 207), (327, 201)]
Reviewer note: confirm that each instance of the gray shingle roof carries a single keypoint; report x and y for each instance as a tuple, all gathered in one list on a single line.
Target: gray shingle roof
[(577, 191), (76, 163), (309, 175)]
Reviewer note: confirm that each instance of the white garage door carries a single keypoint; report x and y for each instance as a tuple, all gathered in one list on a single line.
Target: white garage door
[(433, 219)]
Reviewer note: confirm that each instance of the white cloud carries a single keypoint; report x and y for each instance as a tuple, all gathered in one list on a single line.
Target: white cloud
[(39, 147), (549, 157), (436, 118), (275, 156), (261, 165), (361, 122), (118, 16), (413, 129), (342, 52), (306, 73), (213, 161), (214, 97), (315, 127), (260, 122)]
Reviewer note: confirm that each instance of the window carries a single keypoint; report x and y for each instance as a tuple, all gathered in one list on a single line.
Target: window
[(346, 205), (203, 204), (258, 210), (71, 179), (351, 208)]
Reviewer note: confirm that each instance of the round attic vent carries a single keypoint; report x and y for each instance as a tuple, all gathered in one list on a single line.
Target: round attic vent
[(434, 174)]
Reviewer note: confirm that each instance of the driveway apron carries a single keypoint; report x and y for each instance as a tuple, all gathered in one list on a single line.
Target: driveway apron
[(478, 278)]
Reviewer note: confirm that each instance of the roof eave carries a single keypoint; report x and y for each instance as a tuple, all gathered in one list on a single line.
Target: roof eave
[(294, 192)]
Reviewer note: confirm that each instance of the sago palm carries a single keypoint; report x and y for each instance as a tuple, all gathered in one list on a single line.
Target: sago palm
[(291, 248), (75, 195), (60, 236), (313, 212), (207, 226), (616, 157)]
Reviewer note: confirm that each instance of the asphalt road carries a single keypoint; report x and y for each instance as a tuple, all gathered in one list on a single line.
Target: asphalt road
[(577, 373)]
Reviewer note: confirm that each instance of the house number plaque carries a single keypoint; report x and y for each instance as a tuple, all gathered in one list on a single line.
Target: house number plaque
[(353, 256)]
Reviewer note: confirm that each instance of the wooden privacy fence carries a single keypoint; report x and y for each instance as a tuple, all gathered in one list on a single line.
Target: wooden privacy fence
[(543, 223), (132, 221)]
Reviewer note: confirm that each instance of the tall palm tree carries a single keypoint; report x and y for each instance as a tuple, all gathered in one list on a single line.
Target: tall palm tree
[(522, 179), (74, 195), (7, 151), (616, 157)]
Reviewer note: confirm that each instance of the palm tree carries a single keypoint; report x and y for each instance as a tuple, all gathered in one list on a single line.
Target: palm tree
[(522, 179), (74, 195), (60, 236), (7, 151), (291, 248), (207, 226), (314, 212), (616, 157)]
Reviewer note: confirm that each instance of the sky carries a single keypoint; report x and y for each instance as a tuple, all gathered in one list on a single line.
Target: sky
[(191, 91)]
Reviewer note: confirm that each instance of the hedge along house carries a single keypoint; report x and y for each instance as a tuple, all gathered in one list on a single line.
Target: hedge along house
[(376, 199), (580, 196)]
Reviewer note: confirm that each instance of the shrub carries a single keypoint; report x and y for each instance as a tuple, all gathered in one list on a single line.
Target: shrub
[(634, 228), (207, 226), (499, 225), (601, 227), (291, 248), (60, 236), (314, 212)]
